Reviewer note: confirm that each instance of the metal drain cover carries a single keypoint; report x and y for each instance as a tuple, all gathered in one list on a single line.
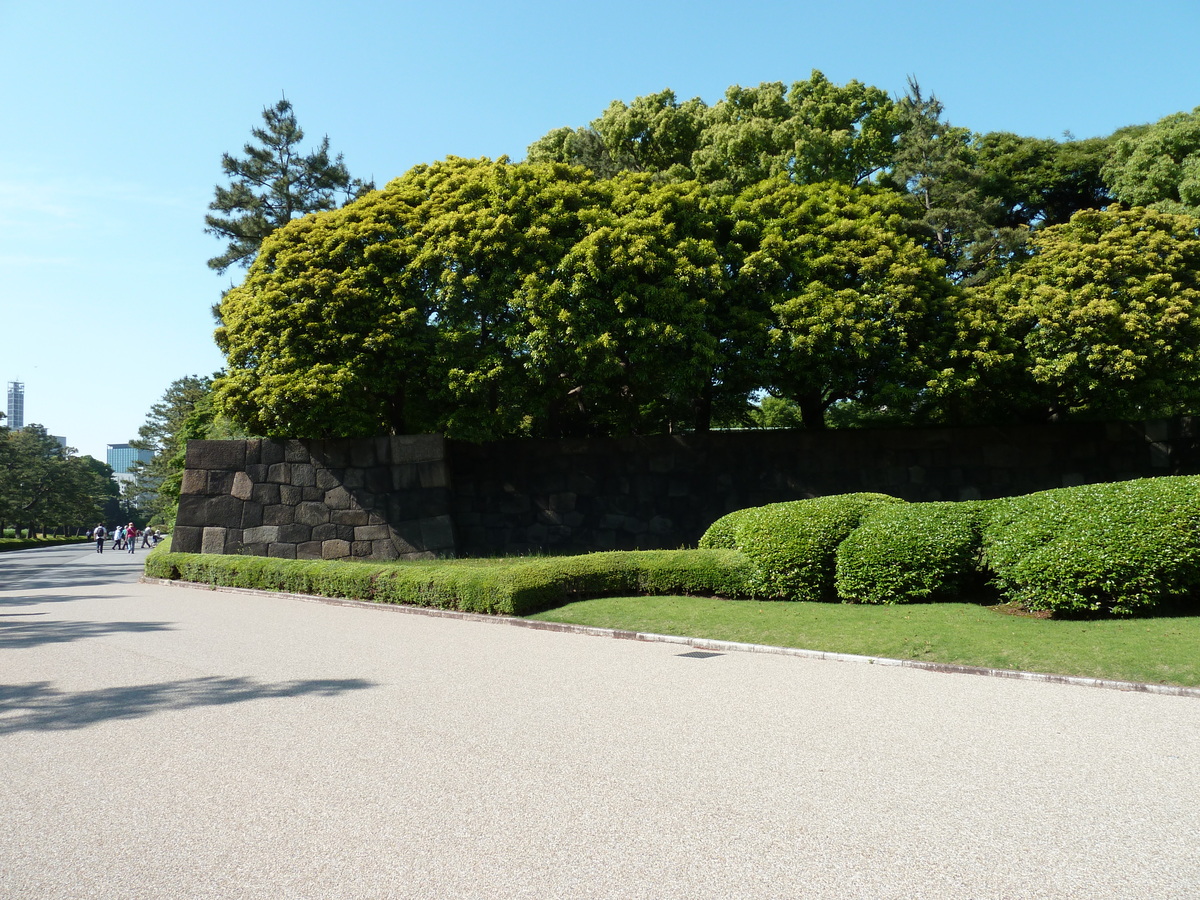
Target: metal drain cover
[(699, 654)]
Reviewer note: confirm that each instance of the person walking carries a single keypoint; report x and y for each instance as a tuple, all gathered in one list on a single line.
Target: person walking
[(130, 537), (99, 534), (119, 538), (146, 535)]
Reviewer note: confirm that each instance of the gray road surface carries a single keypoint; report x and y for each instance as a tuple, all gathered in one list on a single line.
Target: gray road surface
[(162, 742)]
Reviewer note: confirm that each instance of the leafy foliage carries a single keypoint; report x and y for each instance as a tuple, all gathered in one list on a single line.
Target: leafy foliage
[(1158, 165), (42, 482), (905, 552)]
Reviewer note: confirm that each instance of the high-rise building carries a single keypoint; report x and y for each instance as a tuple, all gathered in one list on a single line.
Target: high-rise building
[(16, 405), (121, 457)]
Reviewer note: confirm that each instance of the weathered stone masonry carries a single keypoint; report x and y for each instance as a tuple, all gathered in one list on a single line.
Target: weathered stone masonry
[(382, 498), (422, 496)]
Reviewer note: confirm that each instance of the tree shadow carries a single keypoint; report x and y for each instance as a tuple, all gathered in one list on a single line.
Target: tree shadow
[(23, 633), (40, 576), (37, 706)]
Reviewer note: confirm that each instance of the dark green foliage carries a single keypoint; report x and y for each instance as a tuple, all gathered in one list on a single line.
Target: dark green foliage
[(792, 546), (1110, 548), (513, 587), (904, 552)]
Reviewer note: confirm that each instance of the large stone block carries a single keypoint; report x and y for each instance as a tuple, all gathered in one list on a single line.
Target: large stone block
[(362, 454), (252, 514), (339, 498), (186, 539), (242, 486), (349, 516), (372, 533), (434, 474), (195, 481), (282, 551), (225, 512), (279, 515), (220, 482), (213, 540), (295, 534), (266, 494), (327, 479), (417, 448), (270, 453), (296, 452), (229, 455), (309, 550), (290, 495), (325, 532), (280, 473), (263, 534), (312, 513), (335, 549), (303, 475), (437, 534)]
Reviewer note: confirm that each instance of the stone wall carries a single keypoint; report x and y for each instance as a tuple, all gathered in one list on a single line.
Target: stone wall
[(406, 497), (382, 498)]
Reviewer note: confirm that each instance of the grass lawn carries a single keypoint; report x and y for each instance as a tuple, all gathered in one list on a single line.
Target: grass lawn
[(1157, 650)]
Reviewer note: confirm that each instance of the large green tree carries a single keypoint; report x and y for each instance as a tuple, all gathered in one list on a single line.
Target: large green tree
[(44, 483), (1158, 165), (1104, 318), (274, 182), (859, 310)]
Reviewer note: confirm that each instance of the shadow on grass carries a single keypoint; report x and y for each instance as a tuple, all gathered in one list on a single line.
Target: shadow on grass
[(38, 706)]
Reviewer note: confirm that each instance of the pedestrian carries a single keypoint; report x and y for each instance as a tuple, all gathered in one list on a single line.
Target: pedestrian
[(99, 534), (131, 537), (119, 538), (146, 535)]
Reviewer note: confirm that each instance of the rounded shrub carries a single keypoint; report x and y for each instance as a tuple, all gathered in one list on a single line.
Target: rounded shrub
[(1119, 548), (906, 552), (792, 546)]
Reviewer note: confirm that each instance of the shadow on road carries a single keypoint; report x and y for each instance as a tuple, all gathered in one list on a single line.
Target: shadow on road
[(38, 706), (23, 630)]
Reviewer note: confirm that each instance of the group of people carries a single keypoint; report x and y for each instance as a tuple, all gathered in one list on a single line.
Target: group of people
[(124, 537)]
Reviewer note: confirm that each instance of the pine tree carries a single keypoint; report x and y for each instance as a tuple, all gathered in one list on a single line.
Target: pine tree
[(273, 184)]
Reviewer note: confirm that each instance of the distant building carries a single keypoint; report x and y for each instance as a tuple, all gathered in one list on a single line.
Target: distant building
[(16, 405), (121, 457)]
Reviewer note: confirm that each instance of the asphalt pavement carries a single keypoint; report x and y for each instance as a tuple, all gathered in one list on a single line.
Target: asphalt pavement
[(166, 742)]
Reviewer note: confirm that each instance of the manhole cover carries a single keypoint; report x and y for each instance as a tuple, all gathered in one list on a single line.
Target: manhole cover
[(699, 654)]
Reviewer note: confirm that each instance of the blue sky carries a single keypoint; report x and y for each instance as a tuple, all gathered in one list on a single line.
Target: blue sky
[(114, 118)]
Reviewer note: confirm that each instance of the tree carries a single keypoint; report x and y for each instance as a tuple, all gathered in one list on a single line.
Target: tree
[(1158, 165), (1105, 316), (859, 310), (272, 184), (44, 483)]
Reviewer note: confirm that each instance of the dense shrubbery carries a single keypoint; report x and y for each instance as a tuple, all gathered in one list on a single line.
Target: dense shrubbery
[(911, 551), (512, 587), (1121, 548), (792, 545), (1105, 548)]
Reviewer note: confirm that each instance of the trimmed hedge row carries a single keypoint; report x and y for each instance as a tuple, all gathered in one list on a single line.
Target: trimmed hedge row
[(32, 543), (1116, 548), (515, 587)]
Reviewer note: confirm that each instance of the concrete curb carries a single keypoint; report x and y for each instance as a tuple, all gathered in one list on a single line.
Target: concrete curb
[(703, 643)]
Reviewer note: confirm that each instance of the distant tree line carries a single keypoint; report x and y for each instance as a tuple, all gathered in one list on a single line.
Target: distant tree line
[(45, 487)]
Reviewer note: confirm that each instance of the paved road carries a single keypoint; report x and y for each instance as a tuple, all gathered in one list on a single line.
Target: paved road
[(162, 742)]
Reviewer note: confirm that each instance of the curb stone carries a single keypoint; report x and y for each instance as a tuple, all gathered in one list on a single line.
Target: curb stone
[(702, 643)]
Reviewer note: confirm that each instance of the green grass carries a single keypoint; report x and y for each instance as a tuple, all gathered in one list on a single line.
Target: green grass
[(1155, 650)]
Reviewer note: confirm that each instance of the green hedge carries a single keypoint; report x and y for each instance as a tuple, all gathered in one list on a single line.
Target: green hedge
[(514, 587), (905, 552), (31, 543), (792, 546), (1120, 548)]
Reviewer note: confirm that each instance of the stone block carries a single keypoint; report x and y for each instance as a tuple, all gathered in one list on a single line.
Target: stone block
[(280, 473), (282, 551), (383, 551), (195, 481), (222, 511), (253, 451), (220, 483), (309, 550), (304, 475), (327, 479), (270, 453), (324, 532), (405, 477), (242, 486), (257, 473), (338, 498), (263, 534), (348, 517), (308, 513), (361, 549), (186, 539), (362, 454), (335, 549), (417, 448), (295, 452), (438, 534), (434, 474), (252, 514), (378, 480), (228, 455), (372, 533), (213, 540), (266, 494), (353, 479), (295, 534), (254, 549), (312, 495), (290, 495), (279, 515)]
